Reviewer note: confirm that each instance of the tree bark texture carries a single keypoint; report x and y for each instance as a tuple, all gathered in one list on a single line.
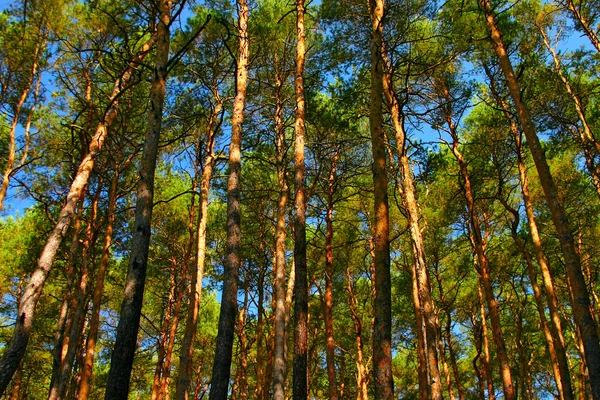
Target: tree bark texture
[(300, 372), (382, 327), (222, 365), (129, 320)]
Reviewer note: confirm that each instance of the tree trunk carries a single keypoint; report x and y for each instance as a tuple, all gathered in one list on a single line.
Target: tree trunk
[(585, 25), (195, 295), (422, 372), (129, 321), (279, 314), (224, 347), (16, 348), (409, 200), (382, 327), (328, 304), (581, 300), (362, 373), (300, 374)]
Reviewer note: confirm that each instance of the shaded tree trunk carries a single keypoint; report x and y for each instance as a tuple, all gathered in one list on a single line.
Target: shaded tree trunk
[(129, 320)]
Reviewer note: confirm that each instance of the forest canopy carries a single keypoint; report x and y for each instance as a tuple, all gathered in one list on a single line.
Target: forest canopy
[(280, 199)]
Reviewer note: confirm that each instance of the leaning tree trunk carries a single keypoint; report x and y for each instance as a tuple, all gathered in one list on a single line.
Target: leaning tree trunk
[(585, 24), (409, 199), (131, 308), (300, 374), (224, 347), (577, 285), (26, 310)]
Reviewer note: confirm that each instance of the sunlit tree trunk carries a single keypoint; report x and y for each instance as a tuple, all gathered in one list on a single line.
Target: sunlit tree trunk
[(224, 347), (382, 328), (426, 307), (195, 293), (583, 22), (300, 374)]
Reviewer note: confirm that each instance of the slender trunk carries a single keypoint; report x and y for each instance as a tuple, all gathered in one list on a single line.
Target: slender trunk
[(426, 308), (129, 321), (590, 146), (478, 339), (585, 25), (16, 348), (422, 372), (261, 348), (279, 317), (579, 292), (362, 373), (162, 340), (479, 247), (244, 344), (452, 355), (447, 336), (564, 387), (537, 294), (382, 327), (12, 142), (224, 347), (487, 362), (195, 295), (300, 375), (328, 304), (15, 393)]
